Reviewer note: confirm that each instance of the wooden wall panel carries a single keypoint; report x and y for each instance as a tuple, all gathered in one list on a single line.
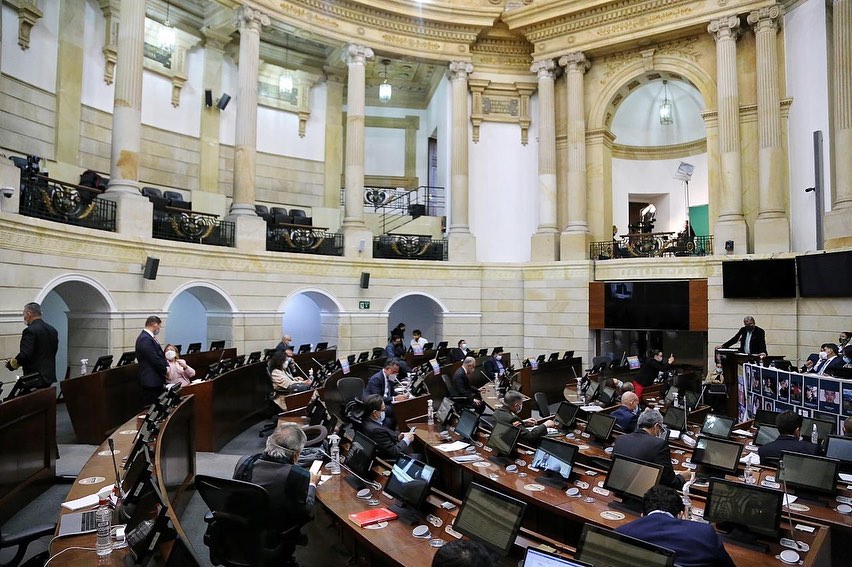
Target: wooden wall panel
[(697, 305), (596, 305)]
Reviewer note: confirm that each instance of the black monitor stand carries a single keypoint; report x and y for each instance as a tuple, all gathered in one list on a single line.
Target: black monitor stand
[(742, 537), (810, 496), (629, 505), (407, 514), (501, 460), (552, 479)]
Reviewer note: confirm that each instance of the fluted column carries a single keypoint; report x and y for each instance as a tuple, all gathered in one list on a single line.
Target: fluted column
[(462, 244), (731, 223), (354, 229), (772, 229), (838, 222), (545, 243), (575, 236), (333, 167), (249, 22)]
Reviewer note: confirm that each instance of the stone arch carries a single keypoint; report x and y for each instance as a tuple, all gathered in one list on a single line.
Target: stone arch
[(311, 315), (199, 311), (418, 310)]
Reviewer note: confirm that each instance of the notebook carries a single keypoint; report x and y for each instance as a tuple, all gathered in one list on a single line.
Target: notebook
[(374, 516)]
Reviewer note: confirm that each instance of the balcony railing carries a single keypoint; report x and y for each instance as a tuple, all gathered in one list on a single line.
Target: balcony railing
[(303, 240), (172, 223), (409, 247), (51, 199), (399, 206), (651, 245)]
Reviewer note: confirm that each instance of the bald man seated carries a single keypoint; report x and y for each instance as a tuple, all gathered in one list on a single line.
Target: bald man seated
[(627, 413)]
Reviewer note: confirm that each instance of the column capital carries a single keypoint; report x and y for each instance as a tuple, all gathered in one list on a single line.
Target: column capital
[(357, 54), (768, 18), (249, 18), (544, 69), (725, 27), (575, 62), (460, 70)]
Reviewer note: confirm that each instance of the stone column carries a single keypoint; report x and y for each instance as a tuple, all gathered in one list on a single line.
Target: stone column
[(208, 167), (772, 229), (357, 238), (838, 222), (731, 223), (250, 228), (333, 167), (133, 212), (545, 242), (575, 237), (69, 82), (462, 244)]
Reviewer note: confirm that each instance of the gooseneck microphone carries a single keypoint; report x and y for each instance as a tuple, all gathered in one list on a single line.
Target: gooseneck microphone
[(373, 484), (111, 444), (797, 545)]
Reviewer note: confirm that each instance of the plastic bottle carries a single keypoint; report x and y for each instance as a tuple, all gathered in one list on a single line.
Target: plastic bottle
[(84, 366), (311, 374), (103, 518), (335, 453), (430, 413), (814, 435), (748, 475)]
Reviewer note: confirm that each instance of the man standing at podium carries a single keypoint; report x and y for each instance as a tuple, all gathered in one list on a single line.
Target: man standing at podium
[(752, 339), (153, 365)]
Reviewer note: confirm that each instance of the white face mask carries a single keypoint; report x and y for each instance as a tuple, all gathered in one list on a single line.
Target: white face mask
[(171, 355), (381, 417), (392, 377), (823, 355), (464, 345)]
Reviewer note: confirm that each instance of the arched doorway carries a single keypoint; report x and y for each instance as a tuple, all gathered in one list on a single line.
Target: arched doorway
[(418, 310), (199, 312), (311, 316)]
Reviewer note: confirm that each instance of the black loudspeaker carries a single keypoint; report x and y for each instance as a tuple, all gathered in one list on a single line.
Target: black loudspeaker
[(208, 98), (365, 280), (151, 267), (729, 245), (223, 101)]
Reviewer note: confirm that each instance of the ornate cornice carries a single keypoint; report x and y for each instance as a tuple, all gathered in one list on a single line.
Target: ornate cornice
[(673, 151)]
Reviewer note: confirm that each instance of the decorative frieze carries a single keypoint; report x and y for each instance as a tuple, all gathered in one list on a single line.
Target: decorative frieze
[(501, 102)]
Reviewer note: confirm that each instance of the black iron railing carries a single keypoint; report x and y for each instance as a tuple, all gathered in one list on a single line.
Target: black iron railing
[(189, 226), (400, 206), (651, 245), (304, 240), (409, 247), (51, 199)]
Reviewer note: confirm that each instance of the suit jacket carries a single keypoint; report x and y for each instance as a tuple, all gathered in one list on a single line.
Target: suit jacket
[(153, 365), (625, 419), (528, 436), (640, 445), (457, 354), (388, 444), (823, 366), (376, 385), (39, 342), (463, 387), (491, 368), (773, 449), (695, 544), (291, 496), (758, 340), (649, 371)]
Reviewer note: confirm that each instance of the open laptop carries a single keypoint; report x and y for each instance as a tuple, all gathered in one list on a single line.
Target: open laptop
[(78, 522)]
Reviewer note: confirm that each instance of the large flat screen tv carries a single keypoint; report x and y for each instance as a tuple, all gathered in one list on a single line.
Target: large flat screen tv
[(662, 305), (825, 275), (759, 279)]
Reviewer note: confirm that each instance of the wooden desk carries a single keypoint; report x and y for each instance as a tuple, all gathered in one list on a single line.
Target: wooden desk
[(28, 449), (551, 377)]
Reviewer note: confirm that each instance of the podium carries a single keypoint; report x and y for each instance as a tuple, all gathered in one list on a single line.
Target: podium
[(732, 362)]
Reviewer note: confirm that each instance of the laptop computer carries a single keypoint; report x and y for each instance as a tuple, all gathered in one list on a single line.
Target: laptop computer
[(78, 522)]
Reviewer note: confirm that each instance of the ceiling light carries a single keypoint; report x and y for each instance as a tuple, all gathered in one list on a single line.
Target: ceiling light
[(385, 90), (285, 83), (166, 37), (666, 106)]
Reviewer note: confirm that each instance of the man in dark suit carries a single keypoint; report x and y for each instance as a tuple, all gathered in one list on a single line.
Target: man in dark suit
[(462, 387), (828, 359), (494, 365), (382, 384), (789, 425), (626, 414), (752, 338), (646, 445), (695, 544), (389, 445), (458, 354), (508, 414), (153, 365), (39, 343)]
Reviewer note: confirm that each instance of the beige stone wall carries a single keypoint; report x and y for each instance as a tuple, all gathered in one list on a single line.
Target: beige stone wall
[(280, 179), (27, 119)]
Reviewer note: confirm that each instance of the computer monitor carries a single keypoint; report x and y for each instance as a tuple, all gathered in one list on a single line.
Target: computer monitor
[(304, 348), (600, 426), (688, 396), (359, 459), (146, 547), (554, 356), (535, 557), (316, 410), (555, 460), (541, 358), (490, 518), (607, 395), (495, 350), (600, 546), (418, 386), (26, 384), (766, 417), (239, 360), (409, 484), (717, 426), (717, 456), (502, 440), (468, 421), (364, 356), (840, 448), (126, 358), (442, 345), (482, 352), (566, 413), (213, 370), (765, 434), (217, 345), (569, 354), (675, 419), (268, 353), (809, 474), (253, 357), (103, 363), (592, 390), (744, 511), (226, 365), (633, 362), (193, 347), (630, 479), (824, 428), (444, 411), (137, 470)]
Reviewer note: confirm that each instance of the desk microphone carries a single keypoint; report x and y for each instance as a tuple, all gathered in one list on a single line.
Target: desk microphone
[(299, 368), (374, 485), (796, 545), (115, 468)]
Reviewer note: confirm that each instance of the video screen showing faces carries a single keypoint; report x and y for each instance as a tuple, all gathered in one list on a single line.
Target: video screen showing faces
[(632, 478), (468, 420), (600, 426), (600, 546), (566, 413), (717, 426), (765, 434), (489, 517), (717, 454), (409, 481), (554, 457), (750, 508), (818, 474), (503, 438)]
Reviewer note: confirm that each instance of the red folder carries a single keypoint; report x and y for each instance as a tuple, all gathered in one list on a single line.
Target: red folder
[(373, 516)]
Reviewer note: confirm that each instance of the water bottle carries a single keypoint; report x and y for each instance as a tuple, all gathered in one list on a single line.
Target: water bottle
[(814, 435), (335, 453), (430, 413), (84, 366), (311, 374), (103, 519), (748, 475)]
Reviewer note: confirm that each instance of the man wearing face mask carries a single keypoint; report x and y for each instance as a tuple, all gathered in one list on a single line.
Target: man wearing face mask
[(828, 359), (627, 413), (388, 444), (507, 414), (647, 443), (460, 353), (382, 383), (153, 365), (39, 343), (752, 338), (847, 357), (494, 364)]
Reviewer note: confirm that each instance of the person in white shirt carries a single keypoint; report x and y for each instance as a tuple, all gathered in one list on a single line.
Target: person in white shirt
[(418, 340)]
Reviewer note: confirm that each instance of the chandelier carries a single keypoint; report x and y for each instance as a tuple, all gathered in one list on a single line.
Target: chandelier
[(385, 90), (166, 37), (666, 106)]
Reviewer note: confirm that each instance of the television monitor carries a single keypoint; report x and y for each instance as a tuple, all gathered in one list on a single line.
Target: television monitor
[(633, 362), (126, 358), (744, 511), (717, 426), (765, 434), (566, 413), (490, 518), (217, 345), (762, 279), (675, 419), (193, 347), (809, 474), (535, 557), (103, 363), (409, 484), (359, 458), (839, 448), (466, 426), (569, 354), (766, 417), (592, 390), (253, 357), (824, 275), (649, 305), (321, 346), (824, 428), (555, 460), (442, 345), (717, 456), (607, 395), (364, 356), (444, 411), (600, 546), (600, 426), (239, 360), (26, 384), (502, 440), (630, 479), (688, 396)]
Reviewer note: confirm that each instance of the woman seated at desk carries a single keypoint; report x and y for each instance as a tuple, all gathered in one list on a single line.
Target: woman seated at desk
[(179, 372)]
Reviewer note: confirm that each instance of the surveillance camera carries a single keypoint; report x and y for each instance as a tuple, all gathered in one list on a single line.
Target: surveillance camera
[(7, 191)]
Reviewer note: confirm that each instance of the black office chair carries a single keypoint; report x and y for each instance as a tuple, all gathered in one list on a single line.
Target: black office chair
[(22, 540), (459, 402), (238, 534), (350, 388), (378, 352), (544, 409)]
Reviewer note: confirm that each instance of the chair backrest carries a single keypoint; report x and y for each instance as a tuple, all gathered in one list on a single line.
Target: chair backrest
[(151, 192), (601, 363), (173, 195), (350, 388), (378, 352), (541, 402), (278, 211), (448, 384), (298, 213), (261, 209)]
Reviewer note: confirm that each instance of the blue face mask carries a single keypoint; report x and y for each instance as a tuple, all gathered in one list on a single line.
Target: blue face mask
[(382, 417), (847, 360)]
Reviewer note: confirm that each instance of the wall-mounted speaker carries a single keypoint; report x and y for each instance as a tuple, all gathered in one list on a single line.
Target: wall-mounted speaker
[(729, 245), (365, 280), (208, 98), (223, 101), (151, 267)]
